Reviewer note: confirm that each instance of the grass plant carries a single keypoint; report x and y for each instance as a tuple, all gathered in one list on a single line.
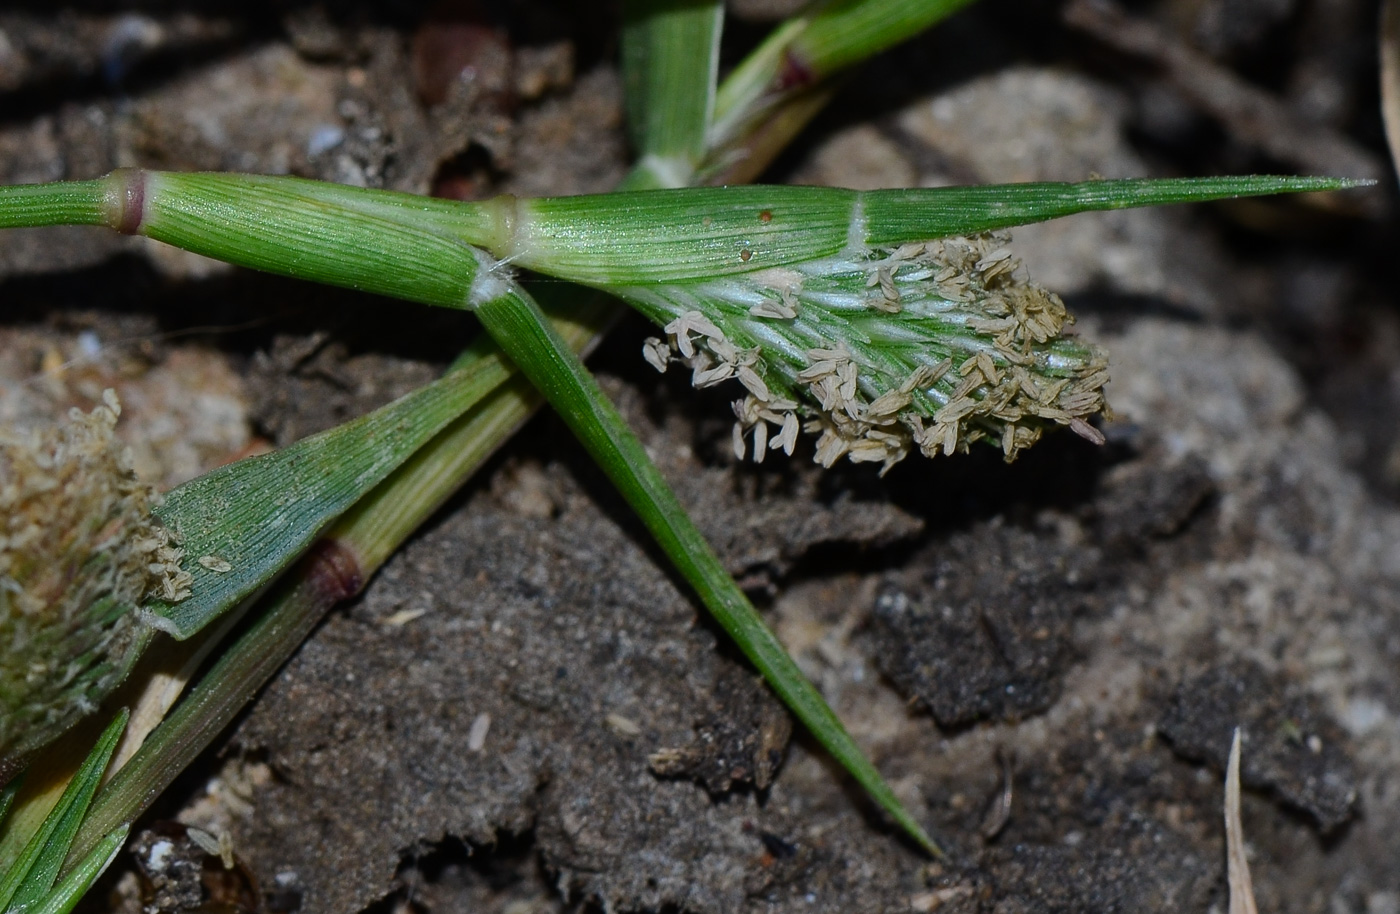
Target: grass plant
[(881, 322)]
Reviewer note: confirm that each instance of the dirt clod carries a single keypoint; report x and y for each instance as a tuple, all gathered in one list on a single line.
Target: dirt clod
[(1144, 867), (1289, 744), (741, 739), (1144, 501), (987, 637)]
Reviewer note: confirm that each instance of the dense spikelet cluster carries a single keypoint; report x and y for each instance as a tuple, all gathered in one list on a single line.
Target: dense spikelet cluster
[(929, 346), (79, 551)]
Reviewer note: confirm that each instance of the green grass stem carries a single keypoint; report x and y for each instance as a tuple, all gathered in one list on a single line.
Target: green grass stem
[(64, 203)]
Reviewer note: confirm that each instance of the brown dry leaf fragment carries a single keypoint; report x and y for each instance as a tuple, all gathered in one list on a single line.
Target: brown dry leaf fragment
[(1237, 866)]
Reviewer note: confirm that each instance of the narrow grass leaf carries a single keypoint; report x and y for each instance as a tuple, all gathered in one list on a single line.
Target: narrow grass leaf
[(918, 214), (33, 873), (845, 32), (527, 337), (242, 524), (73, 886), (670, 65), (697, 233)]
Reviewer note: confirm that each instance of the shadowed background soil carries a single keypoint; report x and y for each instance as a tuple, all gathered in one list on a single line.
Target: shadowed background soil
[(525, 712)]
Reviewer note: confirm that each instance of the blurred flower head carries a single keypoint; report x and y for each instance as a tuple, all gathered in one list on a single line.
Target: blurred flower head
[(79, 551)]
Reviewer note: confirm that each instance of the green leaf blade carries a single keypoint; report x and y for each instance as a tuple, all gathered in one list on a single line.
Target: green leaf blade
[(75, 884), (252, 518), (896, 216), (33, 874), (846, 32), (670, 62)]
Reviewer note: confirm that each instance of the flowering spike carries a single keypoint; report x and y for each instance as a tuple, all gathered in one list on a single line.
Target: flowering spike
[(926, 346)]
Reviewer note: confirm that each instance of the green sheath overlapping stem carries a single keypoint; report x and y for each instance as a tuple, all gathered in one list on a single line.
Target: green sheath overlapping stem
[(884, 320), (287, 226), (946, 348), (422, 249)]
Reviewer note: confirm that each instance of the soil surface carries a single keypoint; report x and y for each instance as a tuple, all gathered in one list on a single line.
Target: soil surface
[(526, 713)]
